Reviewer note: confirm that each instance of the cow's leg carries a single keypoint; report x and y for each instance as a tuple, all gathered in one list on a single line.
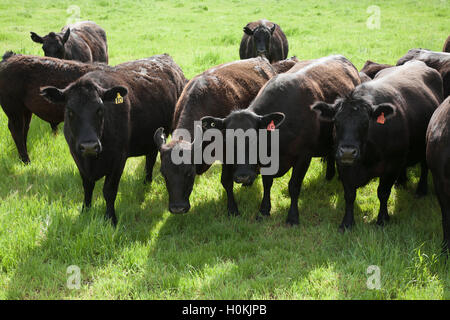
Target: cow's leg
[(27, 119), (227, 183), (422, 187), (110, 192), (54, 128), (350, 195), (265, 207), (88, 186), (384, 191), (295, 185), (331, 170), (16, 125), (149, 163), (443, 196), (402, 179)]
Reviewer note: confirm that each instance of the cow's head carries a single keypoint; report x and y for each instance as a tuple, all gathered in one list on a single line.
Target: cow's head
[(179, 177), (53, 43), (86, 104), (262, 38), (245, 126), (352, 118)]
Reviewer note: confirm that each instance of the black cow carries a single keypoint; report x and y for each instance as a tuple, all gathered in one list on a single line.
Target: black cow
[(215, 92), (438, 159), (264, 38), (111, 115), (371, 68), (446, 47), (285, 102), (437, 60), (285, 65), (379, 129), (83, 41), (21, 77)]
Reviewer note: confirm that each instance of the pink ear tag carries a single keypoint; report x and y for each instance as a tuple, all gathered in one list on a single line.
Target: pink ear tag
[(381, 119), (271, 126)]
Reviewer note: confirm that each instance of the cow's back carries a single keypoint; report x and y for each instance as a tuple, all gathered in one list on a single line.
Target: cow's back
[(436, 60), (22, 76), (446, 47), (220, 90), (294, 92), (154, 85), (87, 42)]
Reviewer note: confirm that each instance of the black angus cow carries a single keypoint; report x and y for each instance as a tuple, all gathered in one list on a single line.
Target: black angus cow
[(371, 68), (111, 115), (215, 92), (21, 77), (263, 38), (285, 65), (379, 129), (438, 159), (285, 102), (446, 47), (83, 41), (436, 60)]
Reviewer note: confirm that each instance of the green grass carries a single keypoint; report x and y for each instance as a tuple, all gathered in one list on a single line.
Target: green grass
[(205, 254)]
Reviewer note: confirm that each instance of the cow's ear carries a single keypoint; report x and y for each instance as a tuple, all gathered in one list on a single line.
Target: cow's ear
[(159, 137), (53, 95), (66, 35), (271, 121), (248, 31), (212, 123), (383, 111), (114, 94), (324, 110), (36, 38), (272, 30)]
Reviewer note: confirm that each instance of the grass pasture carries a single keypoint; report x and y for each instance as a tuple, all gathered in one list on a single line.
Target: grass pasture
[(205, 254)]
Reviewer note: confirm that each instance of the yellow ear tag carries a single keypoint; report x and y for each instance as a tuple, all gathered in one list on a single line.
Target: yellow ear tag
[(119, 99)]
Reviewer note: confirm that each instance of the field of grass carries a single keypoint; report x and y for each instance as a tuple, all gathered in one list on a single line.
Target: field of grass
[(205, 254)]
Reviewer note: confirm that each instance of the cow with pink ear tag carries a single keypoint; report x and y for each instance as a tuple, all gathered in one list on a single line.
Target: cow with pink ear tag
[(379, 130), (282, 108)]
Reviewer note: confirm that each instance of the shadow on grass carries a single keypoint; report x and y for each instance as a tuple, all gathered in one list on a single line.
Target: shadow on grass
[(207, 254)]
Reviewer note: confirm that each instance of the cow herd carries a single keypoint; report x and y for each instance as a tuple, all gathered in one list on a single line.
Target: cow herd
[(369, 124)]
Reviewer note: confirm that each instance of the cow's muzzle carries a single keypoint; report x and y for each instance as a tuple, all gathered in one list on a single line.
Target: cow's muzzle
[(347, 155), (90, 149)]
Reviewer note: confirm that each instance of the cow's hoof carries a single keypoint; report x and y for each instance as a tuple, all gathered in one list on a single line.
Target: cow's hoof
[(261, 217), (233, 212), (421, 192), (346, 227), (292, 222), (330, 175), (382, 222)]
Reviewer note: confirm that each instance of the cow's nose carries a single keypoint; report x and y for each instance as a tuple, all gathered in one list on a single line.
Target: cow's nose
[(347, 154), (179, 208), (91, 148), (245, 179)]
